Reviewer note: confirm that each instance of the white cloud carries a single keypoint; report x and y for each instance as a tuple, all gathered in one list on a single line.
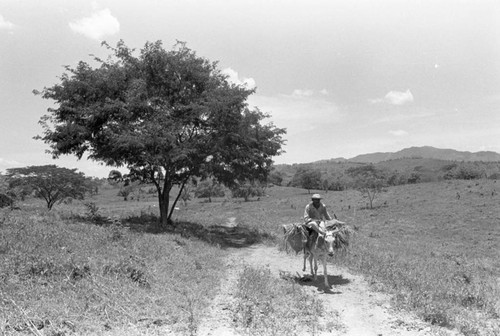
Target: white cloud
[(398, 133), (297, 113), (233, 77), (4, 24), (302, 93), (5, 164), (395, 98), (308, 92), (100, 24)]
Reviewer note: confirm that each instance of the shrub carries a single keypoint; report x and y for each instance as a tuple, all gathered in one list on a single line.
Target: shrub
[(5, 201), (209, 189)]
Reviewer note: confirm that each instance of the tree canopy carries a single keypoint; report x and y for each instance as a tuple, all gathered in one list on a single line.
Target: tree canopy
[(51, 183), (165, 115), (368, 180), (307, 179)]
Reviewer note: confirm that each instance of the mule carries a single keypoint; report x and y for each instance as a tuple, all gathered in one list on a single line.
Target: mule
[(319, 246)]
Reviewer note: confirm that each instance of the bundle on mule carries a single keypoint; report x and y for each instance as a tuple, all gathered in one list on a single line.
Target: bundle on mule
[(342, 233), (294, 236)]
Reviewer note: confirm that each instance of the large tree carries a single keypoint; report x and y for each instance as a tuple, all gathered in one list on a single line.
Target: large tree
[(51, 183), (166, 115)]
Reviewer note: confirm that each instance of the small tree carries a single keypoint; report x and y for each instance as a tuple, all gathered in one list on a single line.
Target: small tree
[(186, 194), (247, 189), (307, 179), (275, 177), (414, 178), (4, 184), (115, 176), (368, 180), (209, 188), (125, 191), (51, 183), (5, 201)]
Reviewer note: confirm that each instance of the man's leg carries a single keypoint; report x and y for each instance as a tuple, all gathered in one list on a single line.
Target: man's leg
[(316, 226)]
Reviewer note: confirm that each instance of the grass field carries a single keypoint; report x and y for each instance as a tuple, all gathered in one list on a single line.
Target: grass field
[(435, 246), (61, 276), (439, 254)]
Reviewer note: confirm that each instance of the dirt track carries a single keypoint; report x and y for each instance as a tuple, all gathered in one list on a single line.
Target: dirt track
[(362, 312)]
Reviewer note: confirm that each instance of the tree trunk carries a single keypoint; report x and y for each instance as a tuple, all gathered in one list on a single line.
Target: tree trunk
[(176, 200), (371, 196), (164, 201)]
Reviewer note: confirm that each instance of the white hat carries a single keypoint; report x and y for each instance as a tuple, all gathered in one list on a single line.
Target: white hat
[(316, 196)]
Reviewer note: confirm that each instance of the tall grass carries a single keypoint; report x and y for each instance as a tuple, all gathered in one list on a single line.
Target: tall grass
[(62, 277), (269, 306), (437, 253)]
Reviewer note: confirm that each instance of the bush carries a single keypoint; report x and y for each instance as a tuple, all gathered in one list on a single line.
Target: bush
[(464, 172), (248, 189), (5, 201), (209, 189)]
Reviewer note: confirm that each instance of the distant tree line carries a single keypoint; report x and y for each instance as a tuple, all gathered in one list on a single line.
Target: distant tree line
[(311, 178)]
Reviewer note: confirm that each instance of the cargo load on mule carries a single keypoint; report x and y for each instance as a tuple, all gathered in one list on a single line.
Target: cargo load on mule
[(336, 238), (297, 235)]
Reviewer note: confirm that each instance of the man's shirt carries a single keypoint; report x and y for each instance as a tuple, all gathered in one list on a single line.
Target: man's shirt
[(311, 213)]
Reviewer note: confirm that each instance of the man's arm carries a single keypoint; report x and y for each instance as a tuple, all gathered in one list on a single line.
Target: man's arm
[(307, 218), (326, 214)]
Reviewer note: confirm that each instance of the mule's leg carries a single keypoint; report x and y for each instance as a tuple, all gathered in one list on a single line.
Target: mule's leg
[(316, 265), (311, 259), (325, 274), (305, 259)]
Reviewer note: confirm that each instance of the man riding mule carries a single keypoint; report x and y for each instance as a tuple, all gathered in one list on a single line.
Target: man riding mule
[(318, 236), (319, 240), (316, 215)]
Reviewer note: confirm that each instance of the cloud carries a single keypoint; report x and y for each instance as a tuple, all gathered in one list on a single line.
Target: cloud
[(4, 24), (100, 24), (395, 98), (398, 133), (308, 92), (302, 93), (299, 111), (233, 77), (5, 164)]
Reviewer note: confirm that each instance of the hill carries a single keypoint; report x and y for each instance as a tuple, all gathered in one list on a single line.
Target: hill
[(431, 164), (428, 152)]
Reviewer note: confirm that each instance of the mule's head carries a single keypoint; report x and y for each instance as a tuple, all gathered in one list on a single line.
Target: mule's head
[(330, 242)]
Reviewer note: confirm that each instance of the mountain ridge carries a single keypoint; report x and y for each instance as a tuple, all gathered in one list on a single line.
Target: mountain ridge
[(427, 152)]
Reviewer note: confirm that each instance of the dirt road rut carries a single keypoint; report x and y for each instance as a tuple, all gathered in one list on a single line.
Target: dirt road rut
[(362, 312)]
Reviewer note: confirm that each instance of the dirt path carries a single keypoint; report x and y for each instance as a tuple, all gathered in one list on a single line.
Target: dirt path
[(361, 311)]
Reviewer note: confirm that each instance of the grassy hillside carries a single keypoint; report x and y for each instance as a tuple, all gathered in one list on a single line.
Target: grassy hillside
[(437, 252), (435, 246), (431, 170), (66, 277)]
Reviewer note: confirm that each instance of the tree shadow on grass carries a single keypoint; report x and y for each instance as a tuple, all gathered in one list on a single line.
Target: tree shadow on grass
[(220, 235)]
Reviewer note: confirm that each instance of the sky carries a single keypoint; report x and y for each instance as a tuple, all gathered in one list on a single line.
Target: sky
[(345, 77)]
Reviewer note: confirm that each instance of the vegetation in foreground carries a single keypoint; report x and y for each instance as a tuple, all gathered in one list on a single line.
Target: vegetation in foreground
[(434, 246), (81, 269), (267, 306), (62, 278)]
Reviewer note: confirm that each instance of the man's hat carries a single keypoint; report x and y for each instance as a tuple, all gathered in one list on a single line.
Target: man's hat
[(316, 196)]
